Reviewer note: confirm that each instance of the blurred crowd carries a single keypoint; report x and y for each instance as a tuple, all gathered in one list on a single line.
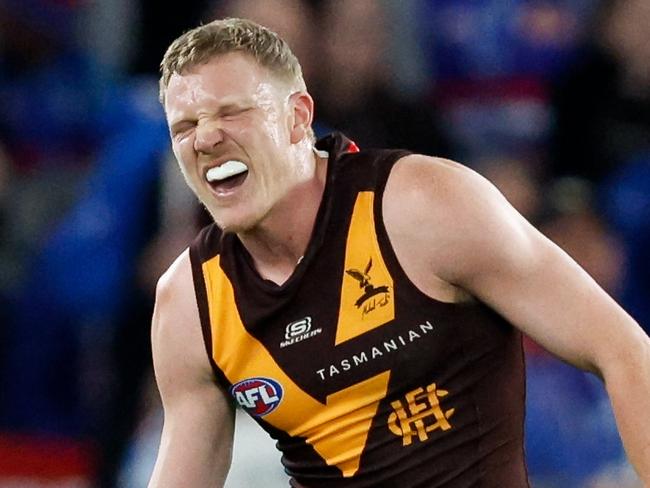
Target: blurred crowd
[(550, 99)]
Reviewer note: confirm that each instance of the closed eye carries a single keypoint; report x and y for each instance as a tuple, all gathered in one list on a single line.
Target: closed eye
[(231, 112), (182, 129)]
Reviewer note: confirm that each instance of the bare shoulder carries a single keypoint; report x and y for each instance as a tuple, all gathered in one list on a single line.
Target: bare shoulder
[(449, 217), (438, 184), (195, 446), (176, 336), (172, 285), (175, 299)]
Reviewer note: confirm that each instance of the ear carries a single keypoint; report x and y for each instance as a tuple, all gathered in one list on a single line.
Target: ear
[(302, 107)]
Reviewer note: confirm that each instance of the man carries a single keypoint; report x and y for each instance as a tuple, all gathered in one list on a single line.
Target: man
[(347, 299)]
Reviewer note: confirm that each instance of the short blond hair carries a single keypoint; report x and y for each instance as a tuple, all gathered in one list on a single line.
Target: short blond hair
[(224, 36)]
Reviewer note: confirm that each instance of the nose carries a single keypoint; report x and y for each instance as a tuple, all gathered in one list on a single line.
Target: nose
[(208, 135)]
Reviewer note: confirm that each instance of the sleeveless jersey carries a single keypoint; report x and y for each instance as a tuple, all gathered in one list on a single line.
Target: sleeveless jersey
[(363, 380)]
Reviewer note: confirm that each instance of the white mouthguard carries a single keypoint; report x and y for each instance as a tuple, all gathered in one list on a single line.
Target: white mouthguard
[(226, 170)]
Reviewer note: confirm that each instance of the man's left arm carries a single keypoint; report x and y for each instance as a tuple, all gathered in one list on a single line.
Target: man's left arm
[(555, 302), (485, 247)]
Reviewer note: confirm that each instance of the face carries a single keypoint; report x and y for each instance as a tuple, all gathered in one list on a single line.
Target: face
[(235, 132)]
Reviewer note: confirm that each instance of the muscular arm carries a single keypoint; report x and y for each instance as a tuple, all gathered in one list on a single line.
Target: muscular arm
[(465, 233), (196, 442)]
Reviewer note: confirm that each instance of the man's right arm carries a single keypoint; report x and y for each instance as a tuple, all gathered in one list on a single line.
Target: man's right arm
[(196, 443)]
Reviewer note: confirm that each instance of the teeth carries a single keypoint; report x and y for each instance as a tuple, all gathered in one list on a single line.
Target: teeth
[(226, 170)]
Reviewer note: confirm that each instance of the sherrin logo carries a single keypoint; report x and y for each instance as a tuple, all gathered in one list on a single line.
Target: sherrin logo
[(258, 396)]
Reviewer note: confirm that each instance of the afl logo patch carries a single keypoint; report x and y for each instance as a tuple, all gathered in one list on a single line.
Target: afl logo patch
[(258, 396)]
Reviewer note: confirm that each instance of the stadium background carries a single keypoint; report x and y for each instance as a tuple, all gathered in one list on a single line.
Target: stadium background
[(550, 99)]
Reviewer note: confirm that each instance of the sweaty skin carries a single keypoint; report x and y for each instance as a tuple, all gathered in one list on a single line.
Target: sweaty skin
[(454, 234), (231, 108), (461, 231)]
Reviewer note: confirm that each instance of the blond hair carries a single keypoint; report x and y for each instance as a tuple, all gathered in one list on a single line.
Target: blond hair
[(224, 36)]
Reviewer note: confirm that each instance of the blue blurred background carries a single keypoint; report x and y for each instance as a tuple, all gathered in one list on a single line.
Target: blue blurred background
[(550, 99)]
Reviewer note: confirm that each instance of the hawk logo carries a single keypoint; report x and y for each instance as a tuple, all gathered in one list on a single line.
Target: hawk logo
[(373, 296), (421, 414), (367, 291), (257, 396)]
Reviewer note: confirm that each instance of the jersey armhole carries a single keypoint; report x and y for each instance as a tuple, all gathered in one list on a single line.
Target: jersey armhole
[(197, 257), (384, 170)]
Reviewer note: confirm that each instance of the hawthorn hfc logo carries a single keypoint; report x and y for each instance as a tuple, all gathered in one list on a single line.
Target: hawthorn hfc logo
[(373, 296), (419, 414)]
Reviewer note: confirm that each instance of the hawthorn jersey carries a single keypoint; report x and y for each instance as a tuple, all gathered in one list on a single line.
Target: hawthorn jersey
[(362, 379)]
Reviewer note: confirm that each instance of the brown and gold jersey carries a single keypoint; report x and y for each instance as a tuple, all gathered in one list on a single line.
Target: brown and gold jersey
[(362, 379)]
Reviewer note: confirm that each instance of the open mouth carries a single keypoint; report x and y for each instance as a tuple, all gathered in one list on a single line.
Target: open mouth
[(227, 176)]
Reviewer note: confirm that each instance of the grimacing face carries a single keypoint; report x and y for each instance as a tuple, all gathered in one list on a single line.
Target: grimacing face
[(236, 129)]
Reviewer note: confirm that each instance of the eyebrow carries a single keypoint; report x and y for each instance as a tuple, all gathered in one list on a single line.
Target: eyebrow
[(221, 109)]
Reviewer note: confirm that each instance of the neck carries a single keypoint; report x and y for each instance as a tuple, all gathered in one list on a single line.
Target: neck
[(279, 242)]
